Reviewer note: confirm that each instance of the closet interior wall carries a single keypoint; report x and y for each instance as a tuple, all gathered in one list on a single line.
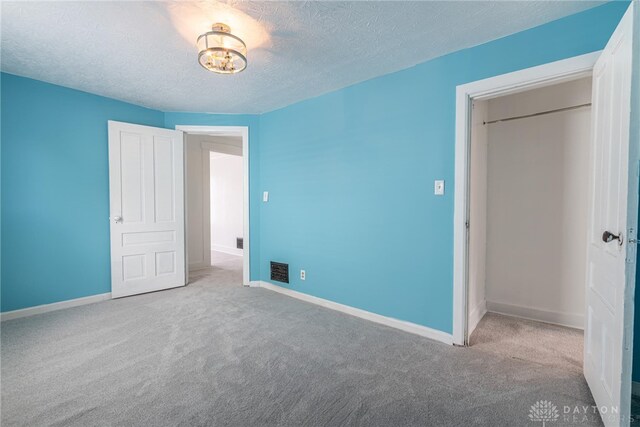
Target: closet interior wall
[(528, 205)]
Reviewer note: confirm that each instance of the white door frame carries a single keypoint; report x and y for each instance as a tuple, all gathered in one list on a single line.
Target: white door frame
[(241, 131), (518, 81)]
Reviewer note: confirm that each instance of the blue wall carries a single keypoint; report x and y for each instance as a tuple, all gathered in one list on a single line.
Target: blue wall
[(55, 190), (253, 122), (350, 174)]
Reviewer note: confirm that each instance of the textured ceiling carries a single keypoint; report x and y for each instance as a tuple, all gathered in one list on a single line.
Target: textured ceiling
[(144, 52)]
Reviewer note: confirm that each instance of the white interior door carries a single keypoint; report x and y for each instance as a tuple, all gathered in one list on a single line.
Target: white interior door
[(146, 189), (608, 289)]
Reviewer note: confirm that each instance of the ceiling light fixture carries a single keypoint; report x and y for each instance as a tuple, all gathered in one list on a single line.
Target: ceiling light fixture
[(222, 52)]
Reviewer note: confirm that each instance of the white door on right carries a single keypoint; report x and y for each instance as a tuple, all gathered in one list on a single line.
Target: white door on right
[(607, 283)]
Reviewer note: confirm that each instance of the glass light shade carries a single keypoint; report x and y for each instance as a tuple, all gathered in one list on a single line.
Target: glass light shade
[(222, 52)]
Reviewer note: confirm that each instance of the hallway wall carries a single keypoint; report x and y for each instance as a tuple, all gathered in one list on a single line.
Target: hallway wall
[(226, 202)]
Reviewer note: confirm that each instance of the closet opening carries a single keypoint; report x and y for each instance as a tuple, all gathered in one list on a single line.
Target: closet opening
[(527, 228)]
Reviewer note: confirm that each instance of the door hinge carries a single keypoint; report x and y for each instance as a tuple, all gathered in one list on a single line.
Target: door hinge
[(466, 224), (627, 338), (632, 236), (631, 247)]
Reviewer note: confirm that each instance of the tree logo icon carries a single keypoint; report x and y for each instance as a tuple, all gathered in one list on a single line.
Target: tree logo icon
[(543, 411)]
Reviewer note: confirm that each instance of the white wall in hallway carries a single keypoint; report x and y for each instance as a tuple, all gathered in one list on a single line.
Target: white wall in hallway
[(226, 202), (194, 172), (537, 180)]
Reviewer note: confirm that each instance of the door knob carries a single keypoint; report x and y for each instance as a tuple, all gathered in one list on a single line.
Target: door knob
[(608, 236), (117, 218)]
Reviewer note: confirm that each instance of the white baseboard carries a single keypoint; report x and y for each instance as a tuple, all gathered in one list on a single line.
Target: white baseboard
[(570, 320), (476, 314), (254, 284), (635, 388), (363, 314), (227, 250), (45, 308)]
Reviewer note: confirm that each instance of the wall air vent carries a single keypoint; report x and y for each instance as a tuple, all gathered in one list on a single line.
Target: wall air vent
[(280, 272), (239, 243)]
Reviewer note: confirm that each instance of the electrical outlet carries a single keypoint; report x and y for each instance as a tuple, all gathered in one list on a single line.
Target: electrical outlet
[(303, 275)]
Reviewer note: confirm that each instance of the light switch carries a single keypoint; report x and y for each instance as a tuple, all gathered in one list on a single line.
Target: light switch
[(265, 196), (438, 187)]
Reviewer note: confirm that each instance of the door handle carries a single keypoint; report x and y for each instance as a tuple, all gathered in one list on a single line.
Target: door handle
[(117, 218), (608, 236)]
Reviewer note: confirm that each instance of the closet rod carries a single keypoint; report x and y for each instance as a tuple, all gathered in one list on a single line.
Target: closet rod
[(537, 114)]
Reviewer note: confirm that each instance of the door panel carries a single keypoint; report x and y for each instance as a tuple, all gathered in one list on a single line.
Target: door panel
[(147, 209), (131, 181), (606, 278), (163, 178)]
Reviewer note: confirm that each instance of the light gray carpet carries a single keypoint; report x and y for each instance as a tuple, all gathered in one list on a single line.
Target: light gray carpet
[(225, 261), (215, 353), (534, 342)]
